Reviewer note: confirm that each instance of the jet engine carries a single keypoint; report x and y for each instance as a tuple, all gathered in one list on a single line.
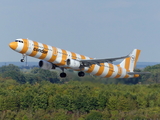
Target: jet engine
[(73, 63), (46, 65)]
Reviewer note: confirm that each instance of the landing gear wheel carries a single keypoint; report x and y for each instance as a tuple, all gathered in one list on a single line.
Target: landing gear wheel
[(23, 55), (81, 74), (22, 60), (63, 75)]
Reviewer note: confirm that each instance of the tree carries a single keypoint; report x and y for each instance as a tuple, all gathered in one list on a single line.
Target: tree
[(94, 115), (45, 75), (16, 75), (10, 67)]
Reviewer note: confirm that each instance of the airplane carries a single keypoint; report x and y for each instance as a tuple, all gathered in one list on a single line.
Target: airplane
[(53, 57)]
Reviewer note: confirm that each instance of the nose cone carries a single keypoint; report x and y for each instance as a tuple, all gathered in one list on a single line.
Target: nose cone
[(13, 45)]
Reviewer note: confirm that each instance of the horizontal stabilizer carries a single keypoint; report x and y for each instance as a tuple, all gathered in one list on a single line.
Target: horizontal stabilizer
[(133, 73)]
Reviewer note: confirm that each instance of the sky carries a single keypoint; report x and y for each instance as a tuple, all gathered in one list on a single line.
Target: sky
[(95, 28)]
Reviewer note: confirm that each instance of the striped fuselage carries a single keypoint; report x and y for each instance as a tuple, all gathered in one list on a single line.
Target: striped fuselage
[(59, 56)]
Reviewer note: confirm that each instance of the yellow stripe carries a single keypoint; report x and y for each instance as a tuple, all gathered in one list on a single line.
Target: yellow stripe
[(33, 51), (54, 54), (90, 69), (25, 47), (73, 55), (14, 45), (127, 63), (111, 70), (83, 57), (44, 54), (118, 65), (126, 76), (136, 75), (101, 69), (64, 58), (54, 51)]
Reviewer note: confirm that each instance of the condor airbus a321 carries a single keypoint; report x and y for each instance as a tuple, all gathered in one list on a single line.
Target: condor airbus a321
[(52, 57)]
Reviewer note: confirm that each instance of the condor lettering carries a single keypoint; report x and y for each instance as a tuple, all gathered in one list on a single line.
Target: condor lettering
[(39, 50)]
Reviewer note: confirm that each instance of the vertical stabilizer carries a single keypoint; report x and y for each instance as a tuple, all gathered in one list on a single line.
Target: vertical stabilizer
[(130, 63)]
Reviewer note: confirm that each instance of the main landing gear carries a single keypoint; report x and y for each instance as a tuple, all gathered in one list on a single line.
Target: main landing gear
[(81, 74), (63, 74)]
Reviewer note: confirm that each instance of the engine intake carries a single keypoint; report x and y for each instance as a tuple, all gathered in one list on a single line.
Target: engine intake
[(46, 65), (73, 63)]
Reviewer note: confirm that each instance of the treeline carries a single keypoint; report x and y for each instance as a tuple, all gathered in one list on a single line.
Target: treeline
[(28, 76), (36, 74), (78, 101), (38, 94)]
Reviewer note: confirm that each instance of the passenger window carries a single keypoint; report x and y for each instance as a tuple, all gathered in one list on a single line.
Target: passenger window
[(19, 41)]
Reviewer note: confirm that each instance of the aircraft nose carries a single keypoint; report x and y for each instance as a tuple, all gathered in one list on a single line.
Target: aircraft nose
[(13, 45)]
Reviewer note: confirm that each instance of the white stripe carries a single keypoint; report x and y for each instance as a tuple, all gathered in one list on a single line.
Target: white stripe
[(59, 56), (132, 61), (69, 55), (78, 56), (87, 58), (95, 70), (20, 47), (106, 69), (115, 69), (86, 69), (123, 73), (123, 63), (30, 47), (39, 53), (49, 54)]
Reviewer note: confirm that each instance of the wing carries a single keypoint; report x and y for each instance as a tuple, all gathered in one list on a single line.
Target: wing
[(98, 61)]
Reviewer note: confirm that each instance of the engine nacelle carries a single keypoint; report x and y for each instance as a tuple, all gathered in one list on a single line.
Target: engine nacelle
[(46, 65), (73, 63)]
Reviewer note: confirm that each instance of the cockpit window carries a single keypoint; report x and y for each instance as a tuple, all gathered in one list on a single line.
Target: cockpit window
[(19, 41)]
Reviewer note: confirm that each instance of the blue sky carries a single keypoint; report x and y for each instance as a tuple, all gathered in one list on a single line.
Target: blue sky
[(98, 29)]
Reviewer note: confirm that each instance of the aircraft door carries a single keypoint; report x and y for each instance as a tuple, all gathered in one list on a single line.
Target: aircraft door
[(30, 45), (54, 51), (119, 70)]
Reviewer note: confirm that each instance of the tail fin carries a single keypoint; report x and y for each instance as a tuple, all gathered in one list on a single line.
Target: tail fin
[(130, 62)]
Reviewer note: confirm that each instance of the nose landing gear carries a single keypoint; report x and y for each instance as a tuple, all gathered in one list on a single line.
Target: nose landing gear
[(23, 59), (23, 55)]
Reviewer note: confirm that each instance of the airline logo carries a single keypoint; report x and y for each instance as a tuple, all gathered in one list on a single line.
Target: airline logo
[(39, 50), (132, 58)]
